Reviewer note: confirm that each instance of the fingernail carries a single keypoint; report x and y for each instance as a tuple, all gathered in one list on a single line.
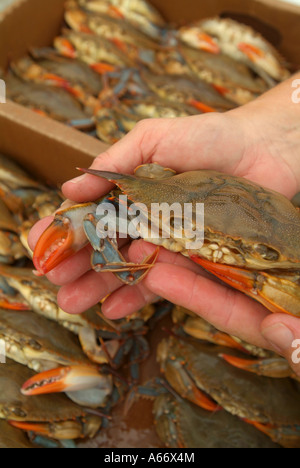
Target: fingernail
[(77, 180), (279, 336)]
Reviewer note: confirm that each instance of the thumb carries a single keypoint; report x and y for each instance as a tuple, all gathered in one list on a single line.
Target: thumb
[(136, 148), (282, 332)]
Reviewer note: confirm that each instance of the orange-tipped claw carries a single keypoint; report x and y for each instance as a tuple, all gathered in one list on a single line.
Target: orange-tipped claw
[(275, 367), (267, 429), (243, 280), (201, 106), (66, 48), (120, 44), (11, 305), (62, 83), (221, 89), (102, 68), (57, 79), (115, 12), (245, 364), (205, 402), (63, 379), (252, 52), (208, 44), (238, 278), (226, 340), (31, 426), (54, 246), (60, 430)]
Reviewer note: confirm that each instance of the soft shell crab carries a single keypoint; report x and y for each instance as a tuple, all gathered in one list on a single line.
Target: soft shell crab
[(250, 232)]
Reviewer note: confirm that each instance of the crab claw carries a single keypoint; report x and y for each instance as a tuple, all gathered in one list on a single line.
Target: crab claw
[(252, 52), (102, 67), (5, 303), (273, 367), (207, 43), (64, 237), (248, 282), (63, 379), (62, 430), (65, 47), (287, 436), (201, 106)]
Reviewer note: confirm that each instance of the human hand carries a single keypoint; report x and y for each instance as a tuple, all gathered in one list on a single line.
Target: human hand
[(241, 143)]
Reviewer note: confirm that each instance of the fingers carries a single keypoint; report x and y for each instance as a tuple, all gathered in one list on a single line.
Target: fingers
[(282, 332), (87, 291), (169, 142), (129, 299), (182, 282), (124, 156), (72, 268), (226, 309)]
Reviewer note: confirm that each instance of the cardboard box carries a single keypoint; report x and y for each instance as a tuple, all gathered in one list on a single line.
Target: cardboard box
[(51, 150)]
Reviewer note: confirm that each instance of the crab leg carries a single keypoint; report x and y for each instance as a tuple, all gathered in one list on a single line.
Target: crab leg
[(180, 380), (260, 286), (203, 330), (108, 258), (273, 367)]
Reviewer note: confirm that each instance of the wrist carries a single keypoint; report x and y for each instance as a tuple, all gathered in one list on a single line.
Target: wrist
[(271, 124)]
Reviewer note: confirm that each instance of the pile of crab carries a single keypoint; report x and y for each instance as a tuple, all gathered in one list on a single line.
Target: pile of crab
[(50, 351), (119, 62)]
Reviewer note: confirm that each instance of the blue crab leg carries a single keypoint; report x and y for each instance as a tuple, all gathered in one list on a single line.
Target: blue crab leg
[(82, 123), (107, 257), (124, 350)]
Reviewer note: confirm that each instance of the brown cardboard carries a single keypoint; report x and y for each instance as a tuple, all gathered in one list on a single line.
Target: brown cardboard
[(50, 149)]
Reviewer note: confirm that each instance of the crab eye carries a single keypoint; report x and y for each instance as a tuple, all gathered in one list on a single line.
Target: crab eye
[(18, 412), (266, 252), (34, 344)]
